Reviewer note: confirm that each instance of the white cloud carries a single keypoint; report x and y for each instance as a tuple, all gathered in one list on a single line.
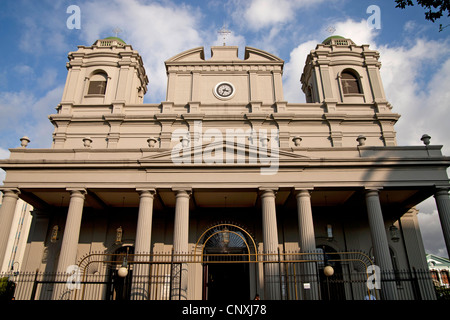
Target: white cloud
[(47, 79), (262, 13), (157, 31), (4, 154), (293, 71), (23, 114), (259, 14), (431, 229), (359, 32), (43, 29), (2, 176), (13, 107), (416, 83)]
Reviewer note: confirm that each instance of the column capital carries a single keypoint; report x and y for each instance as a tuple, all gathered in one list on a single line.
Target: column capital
[(303, 192), (268, 191), (440, 191), (145, 192), (182, 191), (372, 191), (77, 192), (10, 192)]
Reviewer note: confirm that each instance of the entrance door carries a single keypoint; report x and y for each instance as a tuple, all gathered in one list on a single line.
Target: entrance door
[(227, 281), (226, 271), (332, 287), (120, 287)]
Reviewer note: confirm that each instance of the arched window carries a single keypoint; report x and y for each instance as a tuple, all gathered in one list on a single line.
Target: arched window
[(350, 82), (97, 83)]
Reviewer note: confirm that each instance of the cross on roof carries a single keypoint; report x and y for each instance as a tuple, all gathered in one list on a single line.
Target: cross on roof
[(116, 31), (225, 33)]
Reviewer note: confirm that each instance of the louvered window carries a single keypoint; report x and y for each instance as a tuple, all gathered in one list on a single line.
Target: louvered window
[(97, 84), (350, 83)]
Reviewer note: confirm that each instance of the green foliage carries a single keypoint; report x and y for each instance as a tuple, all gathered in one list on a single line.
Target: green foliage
[(435, 8), (442, 293), (6, 289)]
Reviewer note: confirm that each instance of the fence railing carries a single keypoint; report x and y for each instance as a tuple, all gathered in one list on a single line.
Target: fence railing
[(166, 276)]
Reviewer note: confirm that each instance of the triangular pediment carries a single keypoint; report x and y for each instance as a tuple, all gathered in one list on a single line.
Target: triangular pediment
[(218, 153)]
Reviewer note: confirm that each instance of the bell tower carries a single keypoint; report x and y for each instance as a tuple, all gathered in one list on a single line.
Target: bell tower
[(101, 80), (108, 72), (345, 79), (339, 71)]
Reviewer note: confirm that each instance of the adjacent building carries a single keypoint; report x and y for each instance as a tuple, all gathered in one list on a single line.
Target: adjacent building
[(440, 270)]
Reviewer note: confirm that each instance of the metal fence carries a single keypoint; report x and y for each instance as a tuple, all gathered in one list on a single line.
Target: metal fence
[(168, 276)]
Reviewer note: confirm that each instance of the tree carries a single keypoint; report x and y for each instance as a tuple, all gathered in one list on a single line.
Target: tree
[(435, 8)]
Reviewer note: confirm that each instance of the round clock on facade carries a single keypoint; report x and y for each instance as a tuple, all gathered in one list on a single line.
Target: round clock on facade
[(224, 90)]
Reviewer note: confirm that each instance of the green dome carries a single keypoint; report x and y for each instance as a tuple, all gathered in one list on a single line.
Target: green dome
[(116, 38), (332, 37)]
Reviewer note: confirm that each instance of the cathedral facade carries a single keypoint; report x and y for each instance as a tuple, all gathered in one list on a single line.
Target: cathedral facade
[(225, 189)]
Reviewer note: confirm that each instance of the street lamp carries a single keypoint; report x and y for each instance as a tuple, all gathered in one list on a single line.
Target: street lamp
[(123, 270), (328, 271)]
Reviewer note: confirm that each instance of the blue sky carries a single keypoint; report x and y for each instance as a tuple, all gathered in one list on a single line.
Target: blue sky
[(414, 54)]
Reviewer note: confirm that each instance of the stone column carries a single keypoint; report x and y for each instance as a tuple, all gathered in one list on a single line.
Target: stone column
[(144, 224), (180, 243), (7, 210), (69, 247), (443, 206), (305, 221), (380, 245), (142, 246), (307, 242), (270, 242)]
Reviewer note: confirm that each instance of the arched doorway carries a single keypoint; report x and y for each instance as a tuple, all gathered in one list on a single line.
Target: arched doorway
[(120, 288), (226, 252)]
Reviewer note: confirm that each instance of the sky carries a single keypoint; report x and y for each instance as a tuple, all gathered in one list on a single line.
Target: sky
[(36, 37)]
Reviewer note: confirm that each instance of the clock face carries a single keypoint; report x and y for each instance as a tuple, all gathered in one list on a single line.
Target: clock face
[(224, 90)]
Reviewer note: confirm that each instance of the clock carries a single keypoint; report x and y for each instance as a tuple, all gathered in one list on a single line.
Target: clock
[(224, 90)]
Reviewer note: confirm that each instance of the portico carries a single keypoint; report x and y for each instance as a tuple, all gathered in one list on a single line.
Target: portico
[(285, 216)]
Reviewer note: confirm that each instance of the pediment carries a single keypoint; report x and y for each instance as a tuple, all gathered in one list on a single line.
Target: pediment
[(218, 153), (253, 54), (224, 53), (191, 55)]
